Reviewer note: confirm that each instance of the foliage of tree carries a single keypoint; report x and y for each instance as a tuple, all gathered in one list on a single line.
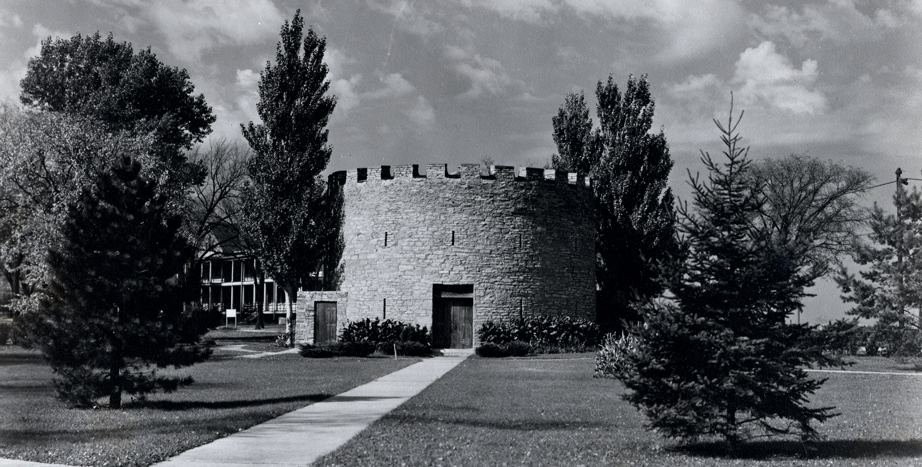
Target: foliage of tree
[(113, 310), (48, 157), (285, 207), (889, 285), (629, 167), (212, 218), (128, 91), (577, 144), (717, 358), (810, 207)]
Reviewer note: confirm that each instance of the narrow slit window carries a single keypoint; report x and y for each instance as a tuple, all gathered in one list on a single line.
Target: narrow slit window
[(385, 238), (384, 309), (452, 238)]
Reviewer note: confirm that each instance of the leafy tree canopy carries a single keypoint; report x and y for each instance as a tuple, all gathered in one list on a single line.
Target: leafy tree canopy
[(285, 211), (630, 168), (108, 81), (48, 157), (810, 207)]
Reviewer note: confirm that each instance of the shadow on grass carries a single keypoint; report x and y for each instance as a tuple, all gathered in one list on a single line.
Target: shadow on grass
[(511, 424), (832, 449), (23, 357), (167, 405)]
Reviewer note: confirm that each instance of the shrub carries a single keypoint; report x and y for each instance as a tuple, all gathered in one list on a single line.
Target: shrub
[(337, 349), (356, 349), (512, 349), (316, 351), (198, 320), (375, 330), (518, 349), (406, 349), (544, 334), (491, 350), (613, 359)]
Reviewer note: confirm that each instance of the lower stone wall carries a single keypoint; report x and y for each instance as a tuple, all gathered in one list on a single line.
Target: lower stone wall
[(304, 326)]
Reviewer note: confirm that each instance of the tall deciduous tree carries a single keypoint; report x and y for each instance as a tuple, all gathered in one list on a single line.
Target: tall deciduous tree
[(48, 157), (630, 168), (113, 310), (128, 91), (718, 358), (577, 144), (284, 203), (811, 208), (213, 209), (889, 287)]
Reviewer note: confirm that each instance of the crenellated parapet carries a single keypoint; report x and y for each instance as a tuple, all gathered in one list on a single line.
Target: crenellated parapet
[(464, 172)]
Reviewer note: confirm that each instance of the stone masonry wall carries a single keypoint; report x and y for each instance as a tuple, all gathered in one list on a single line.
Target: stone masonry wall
[(525, 241), (304, 325)]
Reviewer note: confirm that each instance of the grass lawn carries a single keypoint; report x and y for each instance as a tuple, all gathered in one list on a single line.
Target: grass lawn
[(229, 394), (549, 410)]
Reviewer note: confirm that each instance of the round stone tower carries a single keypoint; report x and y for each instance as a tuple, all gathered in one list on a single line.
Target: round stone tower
[(452, 250)]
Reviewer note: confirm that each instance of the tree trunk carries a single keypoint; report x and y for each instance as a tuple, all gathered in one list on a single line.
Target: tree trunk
[(115, 365), (115, 397), (289, 312), (115, 378), (258, 282)]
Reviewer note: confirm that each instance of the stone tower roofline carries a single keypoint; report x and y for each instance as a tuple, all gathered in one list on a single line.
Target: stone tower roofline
[(466, 171)]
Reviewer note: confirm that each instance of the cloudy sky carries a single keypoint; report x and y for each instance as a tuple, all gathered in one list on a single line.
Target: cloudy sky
[(458, 81)]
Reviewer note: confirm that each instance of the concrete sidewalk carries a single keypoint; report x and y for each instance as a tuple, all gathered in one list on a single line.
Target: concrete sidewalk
[(301, 437)]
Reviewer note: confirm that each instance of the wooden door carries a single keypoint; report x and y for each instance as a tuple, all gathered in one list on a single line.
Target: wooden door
[(324, 322), (462, 323)]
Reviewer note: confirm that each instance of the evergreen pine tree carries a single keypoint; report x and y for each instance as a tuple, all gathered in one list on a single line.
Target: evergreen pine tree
[(718, 359), (113, 310), (889, 289)]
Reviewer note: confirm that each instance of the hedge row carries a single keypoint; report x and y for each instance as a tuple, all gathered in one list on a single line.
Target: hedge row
[(544, 334), (364, 337), (375, 330)]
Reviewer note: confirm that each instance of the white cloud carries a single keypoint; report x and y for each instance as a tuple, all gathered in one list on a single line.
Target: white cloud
[(410, 18), (337, 61), (346, 96), (695, 85), (688, 29), (8, 18), (247, 94), (191, 27), (41, 33), (342, 85), (530, 11), (485, 74), (15, 68), (839, 21), (395, 85), (769, 78), (422, 114)]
